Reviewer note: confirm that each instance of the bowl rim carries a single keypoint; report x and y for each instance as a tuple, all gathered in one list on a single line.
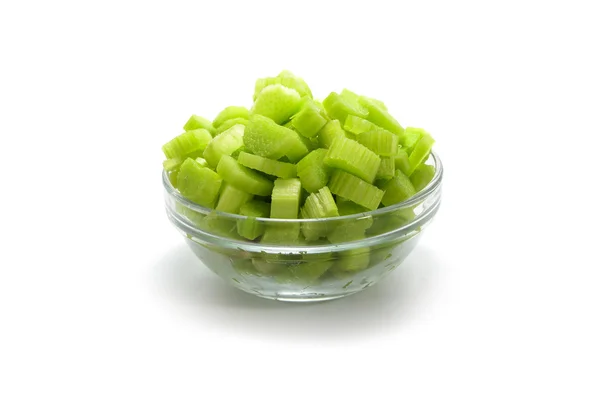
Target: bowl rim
[(431, 187)]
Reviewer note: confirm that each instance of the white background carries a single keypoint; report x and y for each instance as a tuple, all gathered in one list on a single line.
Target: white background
[(100, 299)]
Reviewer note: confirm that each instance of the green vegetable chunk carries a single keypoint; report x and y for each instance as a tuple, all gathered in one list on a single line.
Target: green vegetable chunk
[(285, 78), (411, 137), (299, 147), (387, 168), (352, 260), (339, 107), (172, 164), (397, 189), (277, 102), (187, 143), (329, 132), (263, 137), (420, 153), (231, 199), (422, 175), (268, 166), (308, 271), (350, 230), (318, 205), (281, 234), (228, 113), (285, 200), (243, 178), (379, 116), (197, 122), (358, 125), (250, 228), (348, 207), (355, 189), (352, 157), (380, 141), (229, 123), (224, 144), (202, 161), (308, 121), (173, 178), (401, 160), (379, 103), (197, 183), (312, 171), (219, 225), (391, 222)]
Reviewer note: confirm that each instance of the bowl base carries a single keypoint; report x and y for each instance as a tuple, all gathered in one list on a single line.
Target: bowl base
[(294, 297)]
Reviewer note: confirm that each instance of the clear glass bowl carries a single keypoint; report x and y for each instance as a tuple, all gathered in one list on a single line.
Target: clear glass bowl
[(351, 252)]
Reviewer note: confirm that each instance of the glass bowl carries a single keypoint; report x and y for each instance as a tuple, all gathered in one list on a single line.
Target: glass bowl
[(344, 256)]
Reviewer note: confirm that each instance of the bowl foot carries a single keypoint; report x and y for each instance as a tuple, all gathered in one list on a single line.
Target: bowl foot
[(295, 297)]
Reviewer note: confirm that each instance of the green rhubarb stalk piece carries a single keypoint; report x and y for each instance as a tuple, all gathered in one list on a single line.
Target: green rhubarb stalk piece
[(308, 121), (355, 189), (312, 171), (348, 207), (299, 147), (228, 113), (420, 153), (224, 144), (220, 225), (358, 125), (197, 183), (236, 153), (322, 110), (277, 102), (195, 217), (397, 189), (379, 116), (250, 228), (285, 199), (318, 205), (387, 168), (306, 272), (391, 221), (187, 143), (352, 260), (229, 123), (378, 103), (172, 164), (243, 178), (231, 199), (197, 122), (350, 96), (380, 141), (339, 107), (353, 157), (329, 132), (411, 137), (263, 137), (401, 160), (353, 229), (201, 161), (281, 234), (422, 175), (285, 78), (268, 166), (173, 177)]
